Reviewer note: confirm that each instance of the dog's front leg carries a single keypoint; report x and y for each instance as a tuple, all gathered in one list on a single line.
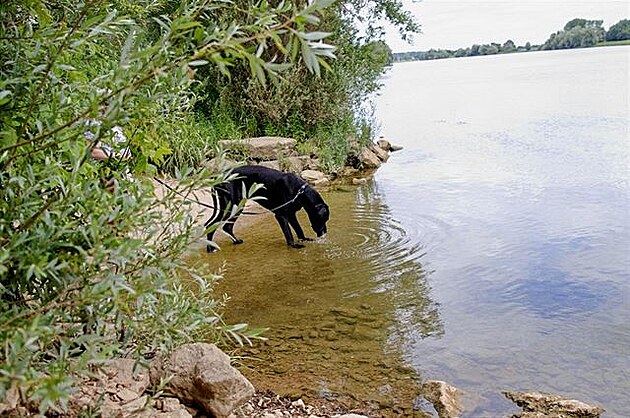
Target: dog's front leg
[(293, 221), (284, 225)]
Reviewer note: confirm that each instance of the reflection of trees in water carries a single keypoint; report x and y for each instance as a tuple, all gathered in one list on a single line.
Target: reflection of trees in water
[(396, 257)]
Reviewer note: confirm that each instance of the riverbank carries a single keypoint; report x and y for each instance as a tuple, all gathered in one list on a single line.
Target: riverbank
[(439, 54), (267, 404)]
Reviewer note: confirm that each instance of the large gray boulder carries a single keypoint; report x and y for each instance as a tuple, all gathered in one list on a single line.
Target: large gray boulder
[(369, 160), (201, 374), (544, 405), (314, 177)]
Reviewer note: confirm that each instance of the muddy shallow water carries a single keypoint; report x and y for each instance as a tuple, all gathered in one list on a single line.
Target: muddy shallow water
[(332, 307)]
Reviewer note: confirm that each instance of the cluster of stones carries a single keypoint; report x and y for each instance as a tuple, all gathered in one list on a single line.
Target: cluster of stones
[(445, 399), (195, 380), (280, 153), (198, 380)]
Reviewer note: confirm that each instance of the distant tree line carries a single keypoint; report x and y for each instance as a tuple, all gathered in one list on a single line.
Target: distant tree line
[(577, 33)]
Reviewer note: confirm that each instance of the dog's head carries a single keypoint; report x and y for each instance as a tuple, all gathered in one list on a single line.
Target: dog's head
[(316, 209), (318, 215)]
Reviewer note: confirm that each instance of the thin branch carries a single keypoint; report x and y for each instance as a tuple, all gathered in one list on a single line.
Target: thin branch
[(39, 213), (54, 303)]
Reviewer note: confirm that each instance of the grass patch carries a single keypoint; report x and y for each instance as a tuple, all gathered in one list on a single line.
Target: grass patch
[(614, 43), (195, 139)]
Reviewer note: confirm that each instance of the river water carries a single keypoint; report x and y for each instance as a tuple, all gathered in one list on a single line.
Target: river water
[(493, 252)]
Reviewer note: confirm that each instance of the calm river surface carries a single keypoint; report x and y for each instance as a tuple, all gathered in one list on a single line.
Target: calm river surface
[(493, 252)]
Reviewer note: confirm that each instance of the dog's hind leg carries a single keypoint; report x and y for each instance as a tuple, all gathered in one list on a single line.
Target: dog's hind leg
[(228, 228), (216, 217), (211, 247)]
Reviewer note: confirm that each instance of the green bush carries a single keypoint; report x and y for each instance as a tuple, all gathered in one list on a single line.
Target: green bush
[(329, 111), (89, 270)]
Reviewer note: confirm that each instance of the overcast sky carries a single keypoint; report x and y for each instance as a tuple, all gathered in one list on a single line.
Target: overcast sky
[(451, 24)]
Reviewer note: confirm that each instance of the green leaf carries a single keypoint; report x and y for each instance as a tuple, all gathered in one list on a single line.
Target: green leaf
[(278, 43), (198, 63), (307, 18), (314, 36), (4, 97), (256, 69), (40, 68), (310, 60), (321, 4), (260, 49), (66, 67)]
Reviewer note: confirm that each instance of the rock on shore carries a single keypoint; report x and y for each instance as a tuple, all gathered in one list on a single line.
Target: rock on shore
[(200, 374), (280, 153), (545, 405)]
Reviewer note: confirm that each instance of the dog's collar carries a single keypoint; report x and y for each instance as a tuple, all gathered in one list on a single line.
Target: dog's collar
[(301, 190)]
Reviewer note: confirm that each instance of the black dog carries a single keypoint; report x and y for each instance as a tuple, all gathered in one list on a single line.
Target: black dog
[(283, 194)]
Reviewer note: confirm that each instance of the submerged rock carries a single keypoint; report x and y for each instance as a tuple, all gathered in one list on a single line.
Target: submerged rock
[(385, 145), (544, 405), (444, 397)]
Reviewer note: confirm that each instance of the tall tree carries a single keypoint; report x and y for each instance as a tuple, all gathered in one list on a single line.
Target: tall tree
[(577, 33), (620, 31), (582, 23)]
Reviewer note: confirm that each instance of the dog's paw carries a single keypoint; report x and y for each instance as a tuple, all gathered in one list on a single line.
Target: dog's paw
[(296, 245), (238, 241), (212, 248), (307, 239)]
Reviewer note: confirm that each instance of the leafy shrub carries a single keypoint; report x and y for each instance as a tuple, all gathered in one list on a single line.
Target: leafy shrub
[(91, 261), (328, 111)]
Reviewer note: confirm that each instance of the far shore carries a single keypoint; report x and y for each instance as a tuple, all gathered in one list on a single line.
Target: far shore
[(534, 48)]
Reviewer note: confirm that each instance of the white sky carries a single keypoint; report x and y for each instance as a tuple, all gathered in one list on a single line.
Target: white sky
[(452, 24)]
